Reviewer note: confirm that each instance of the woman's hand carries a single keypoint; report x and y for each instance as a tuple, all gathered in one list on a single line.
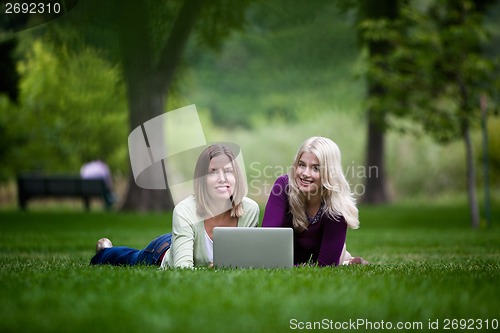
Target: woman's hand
[(358, 260)]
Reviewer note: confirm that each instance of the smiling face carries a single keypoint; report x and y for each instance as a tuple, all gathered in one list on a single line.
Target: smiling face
[(307, 174), (220, 178)]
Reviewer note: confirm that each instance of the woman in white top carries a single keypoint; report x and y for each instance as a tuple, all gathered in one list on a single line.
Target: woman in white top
[(218, 201)]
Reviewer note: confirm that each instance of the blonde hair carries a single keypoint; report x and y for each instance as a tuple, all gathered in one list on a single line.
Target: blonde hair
[(336, 193), (203, 202)]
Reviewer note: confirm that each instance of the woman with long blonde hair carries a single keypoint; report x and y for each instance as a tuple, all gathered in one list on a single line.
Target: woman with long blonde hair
[(315, 199)]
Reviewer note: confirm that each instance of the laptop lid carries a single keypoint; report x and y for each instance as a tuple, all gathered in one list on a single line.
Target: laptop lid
[(253, 247)]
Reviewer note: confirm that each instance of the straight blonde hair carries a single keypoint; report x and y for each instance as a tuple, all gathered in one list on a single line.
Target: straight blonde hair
[(203, 202), (335, 190)]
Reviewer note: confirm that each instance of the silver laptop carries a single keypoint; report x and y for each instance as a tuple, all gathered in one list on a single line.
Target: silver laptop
[(253, 247)]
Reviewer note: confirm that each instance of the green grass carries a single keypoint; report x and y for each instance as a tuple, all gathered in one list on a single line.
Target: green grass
[(427, 264)]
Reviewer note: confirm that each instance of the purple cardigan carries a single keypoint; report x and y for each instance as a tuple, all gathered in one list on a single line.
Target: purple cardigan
[(322, 242)]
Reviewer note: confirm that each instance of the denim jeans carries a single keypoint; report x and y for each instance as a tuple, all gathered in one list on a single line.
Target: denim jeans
[(123, 255)]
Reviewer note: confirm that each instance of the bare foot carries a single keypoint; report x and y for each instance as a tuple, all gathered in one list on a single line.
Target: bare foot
[(102, 243)]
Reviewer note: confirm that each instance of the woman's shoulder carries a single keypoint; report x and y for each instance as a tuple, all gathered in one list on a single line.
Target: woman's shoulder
[(187, 202), (249, 204), (185, 213), (283, 179), (280, 187), (186, 206)]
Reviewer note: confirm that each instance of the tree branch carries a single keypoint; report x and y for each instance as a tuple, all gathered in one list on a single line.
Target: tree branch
[(171, 53)]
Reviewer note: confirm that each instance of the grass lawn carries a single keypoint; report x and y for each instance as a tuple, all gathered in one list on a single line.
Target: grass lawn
[(429, 272)]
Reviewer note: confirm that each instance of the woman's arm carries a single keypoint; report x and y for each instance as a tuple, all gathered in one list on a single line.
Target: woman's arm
[(183, 240), (332, 242), (277, 204)]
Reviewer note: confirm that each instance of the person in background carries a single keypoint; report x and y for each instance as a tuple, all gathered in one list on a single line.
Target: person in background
[(315, 199), (97, 169), (218, 201)]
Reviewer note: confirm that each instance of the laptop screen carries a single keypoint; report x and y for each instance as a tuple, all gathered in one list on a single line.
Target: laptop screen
[(253, 247)]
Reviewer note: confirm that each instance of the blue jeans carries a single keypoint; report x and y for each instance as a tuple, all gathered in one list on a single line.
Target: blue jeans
[(123, 255)]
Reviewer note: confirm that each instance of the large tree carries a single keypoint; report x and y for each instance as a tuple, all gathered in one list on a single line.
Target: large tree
[(148, 80), (148, 39), (376, 190)]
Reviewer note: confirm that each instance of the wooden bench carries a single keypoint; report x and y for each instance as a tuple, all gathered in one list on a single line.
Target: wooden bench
[(58, 186)]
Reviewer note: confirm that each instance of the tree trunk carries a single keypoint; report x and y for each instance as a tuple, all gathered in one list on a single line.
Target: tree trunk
[(145, 103), (375, 182), (145, 100), (471, 178), (148, 81), (469, 155)]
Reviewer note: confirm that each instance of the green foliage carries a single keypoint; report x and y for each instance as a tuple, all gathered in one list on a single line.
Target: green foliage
[(71, 110), (292, 62), (435, 71), (426, 264), (219, 19)]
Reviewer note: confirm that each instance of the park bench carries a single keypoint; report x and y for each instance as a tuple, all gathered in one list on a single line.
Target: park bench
[(42, 186)]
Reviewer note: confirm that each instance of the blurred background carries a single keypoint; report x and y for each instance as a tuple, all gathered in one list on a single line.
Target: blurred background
[(409, 90)]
